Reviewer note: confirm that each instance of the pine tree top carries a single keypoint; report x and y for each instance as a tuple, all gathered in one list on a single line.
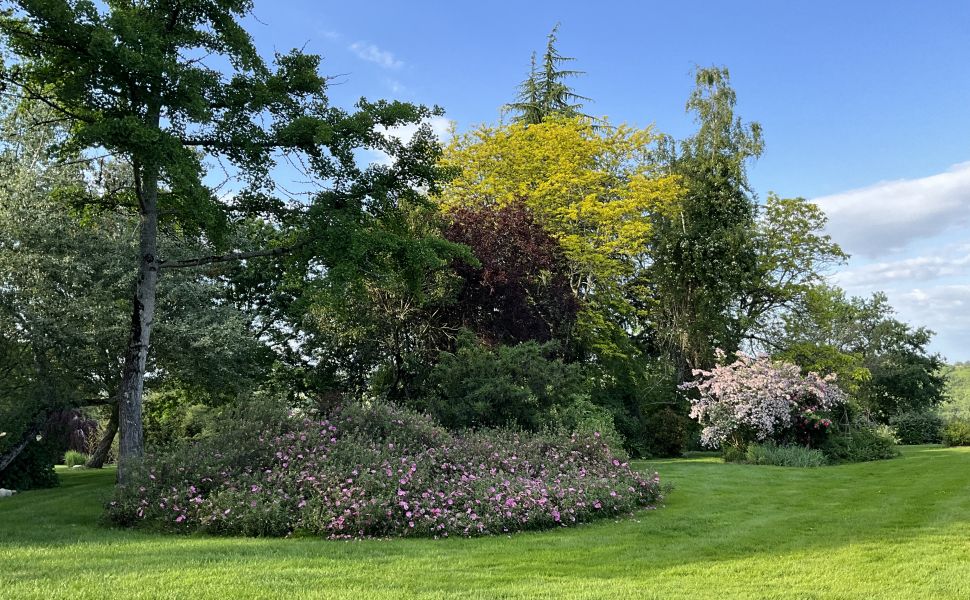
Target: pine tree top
[(544, 92)]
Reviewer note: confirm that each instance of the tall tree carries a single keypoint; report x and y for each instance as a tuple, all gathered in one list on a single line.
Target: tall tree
[(703, 257), (544, 92), (65, 276), (165, 84), (793, 256), (520, 289)]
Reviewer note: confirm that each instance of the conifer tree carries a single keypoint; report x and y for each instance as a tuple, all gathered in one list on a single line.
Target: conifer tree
[(544, 92)]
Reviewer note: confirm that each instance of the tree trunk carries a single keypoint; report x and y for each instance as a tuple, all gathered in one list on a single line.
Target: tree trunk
[(132, 444), (100, 455)]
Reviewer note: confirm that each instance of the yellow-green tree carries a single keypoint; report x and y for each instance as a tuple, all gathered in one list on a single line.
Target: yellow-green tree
[(591, 186)]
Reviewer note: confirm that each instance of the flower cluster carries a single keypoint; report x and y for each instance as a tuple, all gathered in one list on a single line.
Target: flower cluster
[(375, 471), (755, 397)]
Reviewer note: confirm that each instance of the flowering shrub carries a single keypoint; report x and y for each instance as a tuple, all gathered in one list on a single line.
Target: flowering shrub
[(378, 470), (755, 398)]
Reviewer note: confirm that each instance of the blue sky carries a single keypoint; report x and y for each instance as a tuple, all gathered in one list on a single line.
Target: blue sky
[(865, 105)]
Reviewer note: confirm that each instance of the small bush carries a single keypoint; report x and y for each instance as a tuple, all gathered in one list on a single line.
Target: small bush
[(516, 386), (734, 453), (586, 419), (784, 456), (73, 458), (918, 428), (667, 432), (859, 443), (34, 466), (376, 470), (957, 433)]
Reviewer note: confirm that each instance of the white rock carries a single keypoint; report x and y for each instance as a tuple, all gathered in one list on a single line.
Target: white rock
[(77, 467), (4, 492)]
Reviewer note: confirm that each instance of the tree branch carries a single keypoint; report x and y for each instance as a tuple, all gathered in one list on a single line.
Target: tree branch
[(221, 258)]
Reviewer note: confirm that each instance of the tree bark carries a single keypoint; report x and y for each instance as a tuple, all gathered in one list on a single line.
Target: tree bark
[(100, 455), (132, 444)]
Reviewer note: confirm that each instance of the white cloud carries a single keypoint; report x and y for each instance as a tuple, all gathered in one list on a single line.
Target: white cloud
[(945, 309), (372, 53), (888, 216), (397, 87), (950, 261), (441, 127)]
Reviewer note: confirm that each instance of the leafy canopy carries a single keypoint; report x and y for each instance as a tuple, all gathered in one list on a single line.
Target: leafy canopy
[(592, 188)]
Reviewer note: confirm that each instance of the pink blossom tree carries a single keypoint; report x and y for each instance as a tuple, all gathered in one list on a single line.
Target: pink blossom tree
[(755, 399)]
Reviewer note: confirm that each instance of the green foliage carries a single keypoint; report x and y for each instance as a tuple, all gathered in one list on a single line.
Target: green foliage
[(734, 453), (544, 93), (703, 255), (918, 427), (905, 376), (958, 391), (175, 414), (73, 458), (883, 361), (859, 443), (647, 409), (379, 331), (957, 433), (65, 282), (170, 87), (667, 432), (793, 258), (34, 467), (518, 386), (784, 456), (824, 358), (590, 421)]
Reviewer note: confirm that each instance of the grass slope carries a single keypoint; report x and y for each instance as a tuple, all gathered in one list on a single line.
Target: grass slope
[(892, 529)]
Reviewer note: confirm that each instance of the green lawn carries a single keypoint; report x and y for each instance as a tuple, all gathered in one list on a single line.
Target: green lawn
[(893, 529)]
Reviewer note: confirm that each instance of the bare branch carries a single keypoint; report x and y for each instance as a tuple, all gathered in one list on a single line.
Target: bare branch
[(221, 258)]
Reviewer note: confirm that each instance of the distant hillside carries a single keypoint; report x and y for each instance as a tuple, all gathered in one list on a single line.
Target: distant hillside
[(958, 386)]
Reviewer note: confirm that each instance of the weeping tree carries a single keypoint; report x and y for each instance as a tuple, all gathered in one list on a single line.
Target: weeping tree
[(171, 86)]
